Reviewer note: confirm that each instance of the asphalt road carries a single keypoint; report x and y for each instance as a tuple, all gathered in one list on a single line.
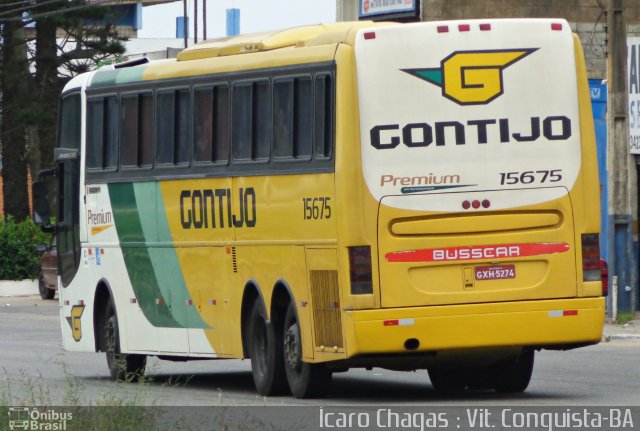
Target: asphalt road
[(34, 370)]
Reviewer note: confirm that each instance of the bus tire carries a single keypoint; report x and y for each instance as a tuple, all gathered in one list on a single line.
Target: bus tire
[(306, 380), (267, 361), (514, 376), (122, 367), (448, 381)]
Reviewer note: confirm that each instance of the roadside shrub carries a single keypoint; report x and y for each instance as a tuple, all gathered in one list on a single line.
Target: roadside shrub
[(19, 256)]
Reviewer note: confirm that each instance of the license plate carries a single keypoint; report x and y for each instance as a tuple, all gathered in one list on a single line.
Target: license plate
[(496, 272)]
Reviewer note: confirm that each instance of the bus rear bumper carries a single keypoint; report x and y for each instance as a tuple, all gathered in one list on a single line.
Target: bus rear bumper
[(561, 323)]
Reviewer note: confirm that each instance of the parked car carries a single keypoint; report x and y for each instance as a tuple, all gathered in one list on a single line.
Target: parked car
[(48, 279)]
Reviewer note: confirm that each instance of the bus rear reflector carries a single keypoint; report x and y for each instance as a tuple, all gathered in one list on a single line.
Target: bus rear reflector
[(360, 270), (485, 27), (464, 27), (591, 257), (443, 29)]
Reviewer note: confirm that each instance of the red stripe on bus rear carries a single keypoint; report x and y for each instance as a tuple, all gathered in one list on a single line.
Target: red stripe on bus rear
[(483, 252)]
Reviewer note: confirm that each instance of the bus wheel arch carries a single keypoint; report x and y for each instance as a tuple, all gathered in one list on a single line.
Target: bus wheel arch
[(249, 297), (281, 298), (100, 301)]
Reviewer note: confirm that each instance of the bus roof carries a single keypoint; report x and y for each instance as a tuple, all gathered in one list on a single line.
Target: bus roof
[(312, 35)]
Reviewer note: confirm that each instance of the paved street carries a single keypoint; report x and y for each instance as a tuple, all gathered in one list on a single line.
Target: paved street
[(35, 370)]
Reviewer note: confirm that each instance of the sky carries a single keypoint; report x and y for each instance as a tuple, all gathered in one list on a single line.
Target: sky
[(255, 15)]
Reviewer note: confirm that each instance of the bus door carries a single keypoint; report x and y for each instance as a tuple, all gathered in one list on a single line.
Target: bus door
[(67, 157)]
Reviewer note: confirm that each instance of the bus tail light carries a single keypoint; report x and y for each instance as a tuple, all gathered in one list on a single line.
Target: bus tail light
[(591, 257), (604, 273), (360, 270)]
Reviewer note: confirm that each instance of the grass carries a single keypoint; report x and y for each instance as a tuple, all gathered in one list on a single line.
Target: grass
[(112, 412), (117, 409), (624, 317)]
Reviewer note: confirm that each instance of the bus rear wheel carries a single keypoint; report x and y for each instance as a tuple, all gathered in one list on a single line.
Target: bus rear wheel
[(306, 380), (122, 367), (267, 365), (448, 381), (514, 376)]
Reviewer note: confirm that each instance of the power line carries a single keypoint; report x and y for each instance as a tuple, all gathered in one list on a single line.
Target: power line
[(54, 12), (29, 7)]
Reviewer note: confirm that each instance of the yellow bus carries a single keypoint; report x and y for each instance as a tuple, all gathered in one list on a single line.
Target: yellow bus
[(406, 196)]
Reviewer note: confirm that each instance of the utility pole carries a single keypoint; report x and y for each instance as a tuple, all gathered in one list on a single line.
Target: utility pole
[(204, 20), (347, 10), (619, 160), (185, 27), (195, 21)]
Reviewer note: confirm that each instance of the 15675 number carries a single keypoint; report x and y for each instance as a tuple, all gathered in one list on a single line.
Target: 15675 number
[(316, 208), (528, 177)]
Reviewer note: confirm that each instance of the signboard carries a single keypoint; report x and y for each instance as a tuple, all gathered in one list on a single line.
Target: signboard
[(633, 82), (388, 9)]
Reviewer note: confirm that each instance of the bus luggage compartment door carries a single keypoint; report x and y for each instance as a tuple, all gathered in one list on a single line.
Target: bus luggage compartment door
[(499, 253)]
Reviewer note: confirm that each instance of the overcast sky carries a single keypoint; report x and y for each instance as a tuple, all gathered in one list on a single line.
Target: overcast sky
[(255, 15)]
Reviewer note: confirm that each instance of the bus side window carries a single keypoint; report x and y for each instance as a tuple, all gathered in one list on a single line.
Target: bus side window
[(165, 127), (203, 124), (251, 118), (323, 129), (172, 127), (95, 118), (221, 122), (129, 130), (211, 124), (283, 118), (303, 120), (110, 148), (145, 130), (292, 118), (136, 130), (102, 135), (182, 146)]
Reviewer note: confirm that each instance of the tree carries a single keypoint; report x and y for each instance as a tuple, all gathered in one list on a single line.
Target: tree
[(88, 37), (14, 114), (71, 37)]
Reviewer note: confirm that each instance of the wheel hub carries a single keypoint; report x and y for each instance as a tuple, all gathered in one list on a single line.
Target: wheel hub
[(292, 349)]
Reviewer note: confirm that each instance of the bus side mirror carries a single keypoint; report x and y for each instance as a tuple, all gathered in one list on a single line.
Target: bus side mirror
[(40, 193)]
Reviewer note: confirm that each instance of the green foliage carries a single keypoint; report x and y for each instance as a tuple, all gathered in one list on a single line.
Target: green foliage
[(19, 257), (624, 317)]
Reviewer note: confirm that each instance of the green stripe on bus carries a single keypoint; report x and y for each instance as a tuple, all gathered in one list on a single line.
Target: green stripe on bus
[(164, 259), (136, 256)]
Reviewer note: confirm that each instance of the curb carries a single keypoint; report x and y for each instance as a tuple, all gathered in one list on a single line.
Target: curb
[(18, 288), (625, 337)]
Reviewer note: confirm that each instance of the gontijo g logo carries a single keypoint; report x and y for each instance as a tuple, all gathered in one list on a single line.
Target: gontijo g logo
[(472, 77)]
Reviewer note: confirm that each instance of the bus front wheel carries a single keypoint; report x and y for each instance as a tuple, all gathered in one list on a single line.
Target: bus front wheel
[(122, 367), (306, 380), (265, 344)]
